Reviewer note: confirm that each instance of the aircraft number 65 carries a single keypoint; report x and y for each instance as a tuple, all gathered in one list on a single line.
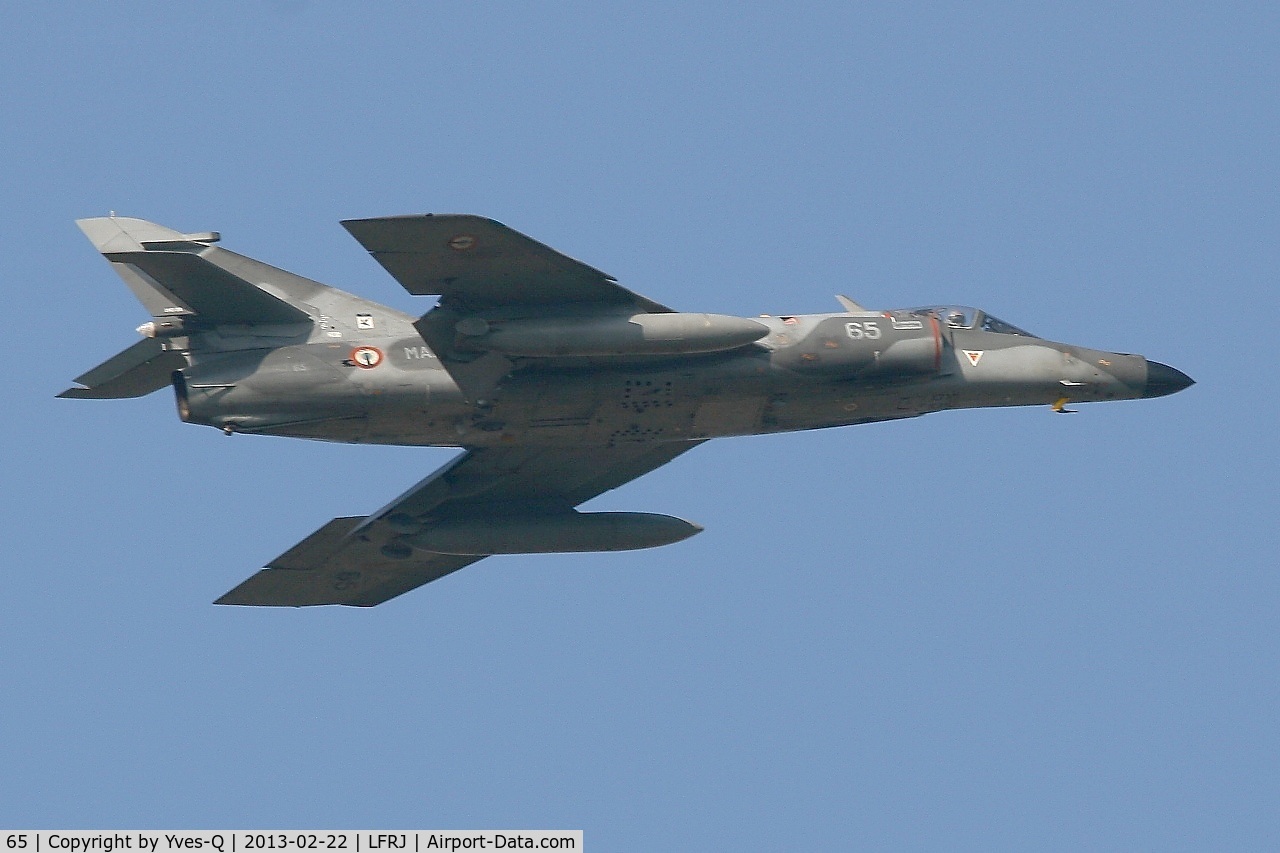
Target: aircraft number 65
[(867, 329)]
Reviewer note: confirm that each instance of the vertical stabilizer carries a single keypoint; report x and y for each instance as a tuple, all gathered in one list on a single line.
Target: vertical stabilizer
[(176, 274), (205, 299), (115, 235)]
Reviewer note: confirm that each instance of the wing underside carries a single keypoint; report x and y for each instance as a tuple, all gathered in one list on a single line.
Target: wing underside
[(142, 368), (483, 270), (344, 562), (473, 264)]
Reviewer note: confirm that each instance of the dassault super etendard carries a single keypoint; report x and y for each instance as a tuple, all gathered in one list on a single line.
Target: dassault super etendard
[(559, 383)]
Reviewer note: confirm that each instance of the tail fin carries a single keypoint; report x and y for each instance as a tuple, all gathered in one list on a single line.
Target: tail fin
[(183, 275), (188, 285)]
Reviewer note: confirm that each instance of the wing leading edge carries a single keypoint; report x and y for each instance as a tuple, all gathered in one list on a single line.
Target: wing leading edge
[(343, 562)]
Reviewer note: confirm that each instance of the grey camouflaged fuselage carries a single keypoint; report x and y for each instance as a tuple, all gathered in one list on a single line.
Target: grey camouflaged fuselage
[(807, 374), (559, 383)]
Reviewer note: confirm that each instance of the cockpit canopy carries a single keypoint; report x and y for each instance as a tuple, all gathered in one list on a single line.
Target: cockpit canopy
[(964, 317)]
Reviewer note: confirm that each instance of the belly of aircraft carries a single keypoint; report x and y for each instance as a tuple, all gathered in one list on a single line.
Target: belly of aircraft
[(675, 406), (607, 409)]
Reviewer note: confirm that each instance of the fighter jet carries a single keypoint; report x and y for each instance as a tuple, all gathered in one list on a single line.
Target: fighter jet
[(559, 383)]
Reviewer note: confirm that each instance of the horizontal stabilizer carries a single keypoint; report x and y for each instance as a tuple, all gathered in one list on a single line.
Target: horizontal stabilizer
[(142, 368)]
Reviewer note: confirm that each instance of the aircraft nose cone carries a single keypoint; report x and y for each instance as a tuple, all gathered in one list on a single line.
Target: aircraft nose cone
[(1163, 380)]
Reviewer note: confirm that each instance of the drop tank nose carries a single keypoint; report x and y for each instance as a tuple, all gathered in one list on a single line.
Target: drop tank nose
[(1163, 380)]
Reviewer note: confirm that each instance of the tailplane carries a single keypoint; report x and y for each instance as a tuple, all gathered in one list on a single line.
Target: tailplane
[(144, 367)]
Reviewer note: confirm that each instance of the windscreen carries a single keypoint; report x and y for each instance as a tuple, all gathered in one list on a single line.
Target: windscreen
[(965, 317)]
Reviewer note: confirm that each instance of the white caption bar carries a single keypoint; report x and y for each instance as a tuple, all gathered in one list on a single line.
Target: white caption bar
[(291, 841)]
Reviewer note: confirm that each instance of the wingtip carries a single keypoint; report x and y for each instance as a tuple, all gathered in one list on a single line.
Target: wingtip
[(77, 393)]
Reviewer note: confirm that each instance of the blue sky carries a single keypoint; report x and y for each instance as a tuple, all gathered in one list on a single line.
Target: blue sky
[(976, 630)]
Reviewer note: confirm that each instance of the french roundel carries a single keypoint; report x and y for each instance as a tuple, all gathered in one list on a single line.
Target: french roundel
[(366, 357)]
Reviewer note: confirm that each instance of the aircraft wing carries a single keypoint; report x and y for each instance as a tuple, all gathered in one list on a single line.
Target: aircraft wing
[(474, 263), (342, 562), (331, 566)]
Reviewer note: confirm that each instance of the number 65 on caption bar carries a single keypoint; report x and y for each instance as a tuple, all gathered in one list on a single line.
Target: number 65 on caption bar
[(239, 841)]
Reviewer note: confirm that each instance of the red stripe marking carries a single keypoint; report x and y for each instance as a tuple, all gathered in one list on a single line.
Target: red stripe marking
[(937, 342)]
